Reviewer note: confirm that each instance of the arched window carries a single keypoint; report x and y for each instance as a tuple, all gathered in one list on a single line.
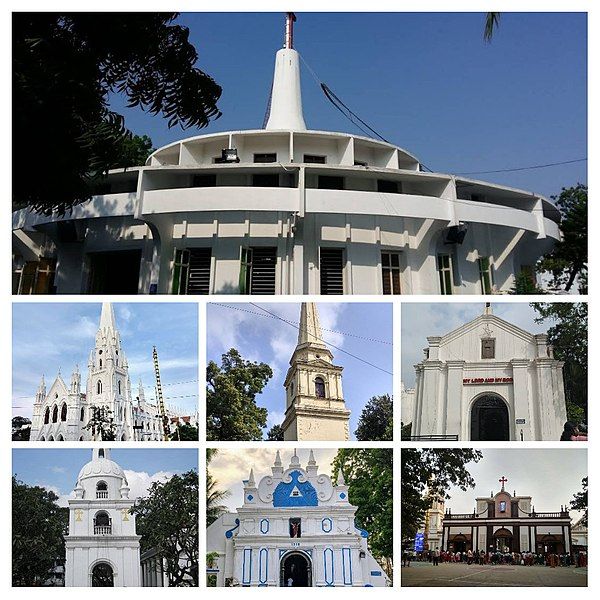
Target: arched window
[(119, 386), (319, 387), (60, 438), (82, 414), (101, 490), (102, 523), (101, 453), (99, 387), (50, 439), (55, 414), (100, 363), (42, 439), (47, 416), (63, 412)]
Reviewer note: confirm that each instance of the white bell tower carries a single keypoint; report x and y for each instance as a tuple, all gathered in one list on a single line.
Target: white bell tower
[(102, 548)]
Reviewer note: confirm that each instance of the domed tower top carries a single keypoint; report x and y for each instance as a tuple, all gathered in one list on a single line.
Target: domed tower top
[(101, 478)]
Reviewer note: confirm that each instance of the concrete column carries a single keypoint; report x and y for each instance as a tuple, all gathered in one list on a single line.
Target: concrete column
[(524, 405), (431, 381), (455, 410), (550, 425)]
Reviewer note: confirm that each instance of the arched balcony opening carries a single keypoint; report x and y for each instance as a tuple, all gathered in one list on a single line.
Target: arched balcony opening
[(101, 490), (102, 523)]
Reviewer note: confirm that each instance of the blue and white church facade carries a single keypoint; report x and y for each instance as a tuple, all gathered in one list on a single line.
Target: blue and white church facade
[(294, 529)]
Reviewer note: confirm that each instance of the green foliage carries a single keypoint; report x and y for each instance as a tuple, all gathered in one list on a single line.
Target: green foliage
[(214, 496), (231, 390), (569, 257), (21, 433), (492, 22), (133, 152), (427, 473), (185, 433), (102, 424), (525, 285), (167, 520), (569, 339), (580, 501), (66, 66), (368, 472), (38, 529), (376, 422), (275, 434), (406, 432)]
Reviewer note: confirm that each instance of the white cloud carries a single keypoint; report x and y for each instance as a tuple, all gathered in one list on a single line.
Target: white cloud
[(274, 418), (140, 481)]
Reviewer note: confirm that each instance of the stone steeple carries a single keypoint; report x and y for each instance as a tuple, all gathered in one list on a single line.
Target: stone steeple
[(315, 407)]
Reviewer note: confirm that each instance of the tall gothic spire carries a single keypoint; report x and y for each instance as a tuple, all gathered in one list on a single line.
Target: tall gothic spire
[(107, 318), (310, 327)]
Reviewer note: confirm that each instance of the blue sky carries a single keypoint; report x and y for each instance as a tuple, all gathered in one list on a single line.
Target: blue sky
[(265, 339), (421, 320), (57, 470), (53, 336), (550, 476), (425, 81)]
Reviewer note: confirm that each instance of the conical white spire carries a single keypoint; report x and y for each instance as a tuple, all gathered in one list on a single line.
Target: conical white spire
[(107, 317), (340, 477), (294, 461), (277, 459), (286, 96), (251, 482), (311, 459), (310, 327)]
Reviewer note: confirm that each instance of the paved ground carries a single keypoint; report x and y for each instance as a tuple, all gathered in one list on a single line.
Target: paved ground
[(450, 575)]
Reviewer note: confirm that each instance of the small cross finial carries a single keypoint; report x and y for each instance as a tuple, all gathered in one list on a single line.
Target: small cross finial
[(503, 480)]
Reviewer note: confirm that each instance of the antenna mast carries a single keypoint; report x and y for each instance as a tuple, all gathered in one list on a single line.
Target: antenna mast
[(290, 19), (161, 403)]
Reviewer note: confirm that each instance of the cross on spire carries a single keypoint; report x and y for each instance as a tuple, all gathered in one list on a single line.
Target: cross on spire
[(503, 480)]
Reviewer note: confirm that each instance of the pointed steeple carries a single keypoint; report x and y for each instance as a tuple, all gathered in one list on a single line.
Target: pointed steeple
[(311, 459), (107, 317), (40, 395), (340, 477), (286, 97), (277, 462), (294, 461), (310, 326), (251, 483), (141, 396)]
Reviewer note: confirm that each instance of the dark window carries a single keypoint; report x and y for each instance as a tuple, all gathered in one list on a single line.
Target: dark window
[(485, 275), (101, 453), (330, 182), (319, 388), (115, 272), (444, 265), (266, 157), (265, 180), (47, 416), (295, 527), (99, 387), (488, 348), (82, 414), (314, 159), (191, 272), (102, 575), (35, 277), (257, 270), (101, 486), (209, 180), (332, 271), (387, 186), (360, 163), (63, 412), (55, 414), (390, 271)]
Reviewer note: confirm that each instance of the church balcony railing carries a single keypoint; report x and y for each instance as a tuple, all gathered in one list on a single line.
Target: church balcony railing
[(433, 438), (103, 530), (100, 495), (549, 515), (460, 516)]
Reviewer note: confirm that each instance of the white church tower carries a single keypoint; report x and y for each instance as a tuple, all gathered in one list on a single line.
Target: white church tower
[(315, 407), (108, 382), (102, 548)]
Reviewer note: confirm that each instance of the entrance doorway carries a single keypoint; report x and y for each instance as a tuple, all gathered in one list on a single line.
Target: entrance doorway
[(296, 570), (503, 541), (489, 419), (114, 272), (102, 576)]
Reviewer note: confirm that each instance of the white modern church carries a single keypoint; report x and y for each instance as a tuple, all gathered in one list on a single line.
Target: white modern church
[(295, 529), (488, 380), (285, 210), (62, 412)]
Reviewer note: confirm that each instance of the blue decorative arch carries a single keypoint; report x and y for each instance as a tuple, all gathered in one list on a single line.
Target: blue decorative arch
[(307, 495), (327, 525)]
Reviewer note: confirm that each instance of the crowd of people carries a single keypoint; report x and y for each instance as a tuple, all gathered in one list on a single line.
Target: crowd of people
[(495, 557)]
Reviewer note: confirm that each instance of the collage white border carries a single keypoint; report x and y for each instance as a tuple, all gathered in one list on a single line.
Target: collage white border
[(6, 299)]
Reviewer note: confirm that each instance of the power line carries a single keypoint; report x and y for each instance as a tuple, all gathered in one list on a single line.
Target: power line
[(554, 164), (360, 337), (326, 343)]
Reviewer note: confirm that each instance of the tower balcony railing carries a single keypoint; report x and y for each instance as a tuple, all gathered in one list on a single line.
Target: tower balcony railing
[(102, 529), (100, 495)]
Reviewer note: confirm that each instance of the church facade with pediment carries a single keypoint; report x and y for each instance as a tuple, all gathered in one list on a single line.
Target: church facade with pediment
[(315, 406), (489, 380), (507, 523), (294, 529)]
